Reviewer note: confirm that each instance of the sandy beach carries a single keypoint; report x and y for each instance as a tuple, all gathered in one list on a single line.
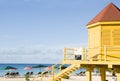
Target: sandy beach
[(72, 78)]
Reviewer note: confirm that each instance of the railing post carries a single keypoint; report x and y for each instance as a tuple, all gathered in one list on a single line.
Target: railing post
[(105, 53), (41, 76), (86, 56), (52, 73), (64, 54), (83, 54), (60, 68), (33, 79)]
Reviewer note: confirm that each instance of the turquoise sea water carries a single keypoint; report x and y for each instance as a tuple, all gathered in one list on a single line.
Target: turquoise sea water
[(22, 72), (20, 68)]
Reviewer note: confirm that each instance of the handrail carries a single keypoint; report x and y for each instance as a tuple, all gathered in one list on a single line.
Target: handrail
[(54, 68), (57, 63), (69, 52), (65, 53), (53, 71), (105, 51)]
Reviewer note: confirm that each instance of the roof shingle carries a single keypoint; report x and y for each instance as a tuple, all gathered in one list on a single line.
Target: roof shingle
[(110, 13)]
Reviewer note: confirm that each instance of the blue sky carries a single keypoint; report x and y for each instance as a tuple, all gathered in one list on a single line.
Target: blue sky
[(35, 30)]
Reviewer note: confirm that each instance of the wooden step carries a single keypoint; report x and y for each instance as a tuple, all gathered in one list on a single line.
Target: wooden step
[(62, 75), (74, 68), (69, 72), (65, 72), (58, 79)]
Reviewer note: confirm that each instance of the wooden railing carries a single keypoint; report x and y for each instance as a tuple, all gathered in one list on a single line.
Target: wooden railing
[(106, 53), (69, 54), (56, 68)]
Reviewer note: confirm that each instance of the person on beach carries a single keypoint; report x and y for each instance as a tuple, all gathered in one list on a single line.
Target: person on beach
[(78, 53), (114, 78)]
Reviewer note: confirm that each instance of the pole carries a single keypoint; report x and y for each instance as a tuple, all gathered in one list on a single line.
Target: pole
[(52, 73), (64, 54), (105, 52)]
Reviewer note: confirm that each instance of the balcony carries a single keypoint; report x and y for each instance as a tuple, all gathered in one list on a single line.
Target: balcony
[(106, 54)]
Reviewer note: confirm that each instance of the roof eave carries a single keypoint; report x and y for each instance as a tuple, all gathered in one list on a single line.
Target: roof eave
[(104, 23)]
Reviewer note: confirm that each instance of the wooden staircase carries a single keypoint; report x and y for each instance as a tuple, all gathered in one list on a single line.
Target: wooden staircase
[(64, 72)]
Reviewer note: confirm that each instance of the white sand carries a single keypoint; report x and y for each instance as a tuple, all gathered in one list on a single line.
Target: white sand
[(72, 78)]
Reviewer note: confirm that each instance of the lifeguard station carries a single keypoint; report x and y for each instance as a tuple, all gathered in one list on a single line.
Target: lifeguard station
[(103, 47)]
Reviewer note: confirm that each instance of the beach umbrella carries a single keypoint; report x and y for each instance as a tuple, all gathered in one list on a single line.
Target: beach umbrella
[(58, 65), (62, 67), (48, 68), (39, 66), (28, 68), (10, 68)]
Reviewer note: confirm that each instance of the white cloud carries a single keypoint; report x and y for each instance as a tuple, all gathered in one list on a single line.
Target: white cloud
[(33, 54)]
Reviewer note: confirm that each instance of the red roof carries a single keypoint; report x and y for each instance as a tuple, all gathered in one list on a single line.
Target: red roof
[(109, 13)]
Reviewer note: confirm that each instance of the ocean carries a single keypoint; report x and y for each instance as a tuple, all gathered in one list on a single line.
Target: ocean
[(20, 68), (22, 72)]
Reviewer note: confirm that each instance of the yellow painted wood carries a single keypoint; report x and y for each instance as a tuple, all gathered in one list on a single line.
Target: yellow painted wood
[(88, 73), (93, 42), (102, 74), (91, 62), (62, 73), (33, 79), (110, 66), (59, 79), (103, 45), (52, 73), (41, 79), (64, 54), (118, 74), (84, 54), (104, 23), (105, 53), (102, 34)]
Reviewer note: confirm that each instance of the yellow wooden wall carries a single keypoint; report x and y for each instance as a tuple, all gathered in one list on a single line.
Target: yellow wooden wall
[(94, 41), (110, 36), (101, 35)]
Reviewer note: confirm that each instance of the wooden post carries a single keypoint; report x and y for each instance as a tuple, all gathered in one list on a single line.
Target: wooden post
[(41, 76), (64, 54), (60, 68), (33, 79), (103, 74), (88, 73), (105, 53), (52, 73), (118, 74), (83, 54)]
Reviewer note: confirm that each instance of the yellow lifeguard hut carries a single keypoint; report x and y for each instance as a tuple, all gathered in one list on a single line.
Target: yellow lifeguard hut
[(104, 35), (103, 47)]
